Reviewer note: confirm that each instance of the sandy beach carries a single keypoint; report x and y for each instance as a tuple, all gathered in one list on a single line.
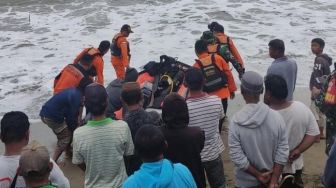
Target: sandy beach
[(314, 158)]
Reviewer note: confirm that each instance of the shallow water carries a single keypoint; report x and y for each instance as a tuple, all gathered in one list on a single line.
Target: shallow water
[(39, 37)]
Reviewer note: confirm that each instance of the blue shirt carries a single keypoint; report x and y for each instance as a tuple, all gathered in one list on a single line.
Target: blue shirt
[(64, 105), (161, 174)]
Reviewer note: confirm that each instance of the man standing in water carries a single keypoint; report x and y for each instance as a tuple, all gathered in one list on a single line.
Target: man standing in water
[(120, 51)]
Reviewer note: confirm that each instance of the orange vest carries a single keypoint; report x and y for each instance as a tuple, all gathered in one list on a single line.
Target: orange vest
[(115, 47), (70, 77)]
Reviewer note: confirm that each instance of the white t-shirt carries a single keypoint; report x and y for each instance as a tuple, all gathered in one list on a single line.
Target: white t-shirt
[(8, 168), (205, 112), (300, 121), (101, 145)]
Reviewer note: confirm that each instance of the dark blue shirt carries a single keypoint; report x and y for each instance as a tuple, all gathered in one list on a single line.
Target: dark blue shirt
[(63, 106), (330, 169)]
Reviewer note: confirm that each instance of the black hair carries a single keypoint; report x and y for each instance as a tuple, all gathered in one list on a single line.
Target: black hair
[(175, 112), (131, 75), (319, 41), (201, 46), (277, 45), (104, 46), (14, 127), (149, 142), (194, 79), (277, 86), (131, 93), (216, 27), (95, 99), (86, 60)]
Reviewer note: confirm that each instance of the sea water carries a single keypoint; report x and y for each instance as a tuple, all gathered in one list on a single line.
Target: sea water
[(39, 37)]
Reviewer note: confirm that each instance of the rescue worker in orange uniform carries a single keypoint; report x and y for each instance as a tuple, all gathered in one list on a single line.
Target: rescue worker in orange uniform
[(217, 74), (98, 61), (120, 51), (224, 46), (74, 75)]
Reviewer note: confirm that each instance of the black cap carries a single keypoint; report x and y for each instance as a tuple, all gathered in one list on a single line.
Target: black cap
[(127, 28)]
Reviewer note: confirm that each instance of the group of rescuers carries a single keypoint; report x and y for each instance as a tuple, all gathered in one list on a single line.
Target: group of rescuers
[(88, 66)]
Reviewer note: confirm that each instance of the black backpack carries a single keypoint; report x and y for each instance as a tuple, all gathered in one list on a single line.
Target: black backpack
[(215, 79)]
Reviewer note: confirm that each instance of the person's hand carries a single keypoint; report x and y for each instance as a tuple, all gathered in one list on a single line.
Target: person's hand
[(265, 177), (294, 154), (273, 185), (232, 95), (315, 92)]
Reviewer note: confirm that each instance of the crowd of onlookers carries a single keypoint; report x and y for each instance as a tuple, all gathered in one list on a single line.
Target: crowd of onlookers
[(181, 146)]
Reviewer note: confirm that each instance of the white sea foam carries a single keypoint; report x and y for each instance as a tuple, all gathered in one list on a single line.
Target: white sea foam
[(32, 53)]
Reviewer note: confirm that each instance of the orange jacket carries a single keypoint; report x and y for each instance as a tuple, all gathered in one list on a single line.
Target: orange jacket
[(224, 92), (222, 38), (120, 49), (98, 63), (72, 76)]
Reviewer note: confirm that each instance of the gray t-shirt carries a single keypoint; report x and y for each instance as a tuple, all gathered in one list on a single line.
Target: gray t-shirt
[(287, 69)]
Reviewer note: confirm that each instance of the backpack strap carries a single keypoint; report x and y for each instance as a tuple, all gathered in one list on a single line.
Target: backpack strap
[(14, 181), (228, 42)]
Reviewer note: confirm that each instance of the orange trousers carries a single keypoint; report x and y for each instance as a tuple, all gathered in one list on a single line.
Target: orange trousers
[(118, 67)]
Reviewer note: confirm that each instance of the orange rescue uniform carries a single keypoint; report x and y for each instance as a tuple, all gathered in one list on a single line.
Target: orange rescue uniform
[(223, 39), (97, 63), (224, 92), (72, 76), (120, 55)]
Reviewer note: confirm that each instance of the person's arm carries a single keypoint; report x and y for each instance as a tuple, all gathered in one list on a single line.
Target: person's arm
[(99, 65), (277, 171), (57, 176), (79, 56), (235, 53), (312, 131), (307, 141), (225, 67), (124, 53)]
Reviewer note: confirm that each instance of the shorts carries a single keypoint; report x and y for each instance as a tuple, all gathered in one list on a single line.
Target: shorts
[(319, 116), (61, 131)]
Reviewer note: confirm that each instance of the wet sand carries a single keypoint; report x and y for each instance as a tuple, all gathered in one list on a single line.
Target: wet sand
[(314, 158)]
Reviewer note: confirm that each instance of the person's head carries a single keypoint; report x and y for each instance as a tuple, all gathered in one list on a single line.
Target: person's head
[(126, 30), (216, 27), (201, 46), (150, 143), (95, 99), (275, 89), (131, 75), (131, 94), (86, 61), (317, 46), (35, 165), (208, 37), (194, 79), (175, 112), (276, 48), (251, 87), (15, 128), (104, 46)]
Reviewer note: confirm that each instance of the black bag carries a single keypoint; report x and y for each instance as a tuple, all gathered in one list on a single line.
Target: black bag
[(215, 79)]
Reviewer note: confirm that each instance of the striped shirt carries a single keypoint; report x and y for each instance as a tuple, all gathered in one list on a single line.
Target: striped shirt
[(101, 145), (205, 112)]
